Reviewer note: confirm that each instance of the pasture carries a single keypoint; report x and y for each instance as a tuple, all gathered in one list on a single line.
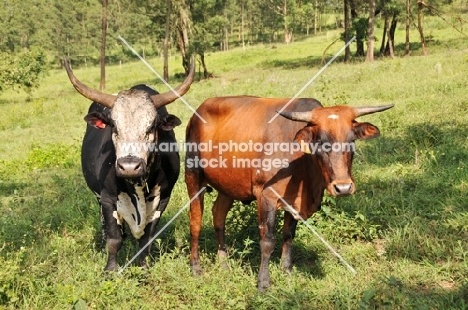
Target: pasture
[(405, 230)]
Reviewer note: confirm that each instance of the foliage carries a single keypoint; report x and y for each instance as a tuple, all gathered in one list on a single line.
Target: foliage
[(22, 70)]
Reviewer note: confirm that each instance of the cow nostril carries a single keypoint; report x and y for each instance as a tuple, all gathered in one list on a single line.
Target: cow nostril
[(130, 167), (343, 189)]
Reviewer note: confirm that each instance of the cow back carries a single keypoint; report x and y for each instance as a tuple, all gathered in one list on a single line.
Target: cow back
[(244, 120)]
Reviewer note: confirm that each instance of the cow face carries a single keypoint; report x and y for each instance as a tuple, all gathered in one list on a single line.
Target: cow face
[(135, 122), (330, 134)]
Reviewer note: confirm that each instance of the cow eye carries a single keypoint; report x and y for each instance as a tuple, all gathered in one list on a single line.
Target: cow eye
[(150, 130)]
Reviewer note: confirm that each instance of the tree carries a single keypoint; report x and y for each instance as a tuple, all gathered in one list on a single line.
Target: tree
[(391, 13), (347, 13), (390, 47), (370, 32), (420, 28), (407, 28), (182, 27), (22, 70), (102, 84), (360, 28), (166, 40)]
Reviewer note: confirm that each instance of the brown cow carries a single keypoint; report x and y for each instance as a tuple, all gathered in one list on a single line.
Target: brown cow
[(227, 154)]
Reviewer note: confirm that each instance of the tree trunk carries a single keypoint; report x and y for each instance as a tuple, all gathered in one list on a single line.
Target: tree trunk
[(102, 84), (384, 35), (206, 74), (287, 32), (226, 38), (242, 27), (315, 18), (166, 41), (421, 33), (407, 41), (390, 48), (183, 40), (346, 29), (360, 48), (370, 32)]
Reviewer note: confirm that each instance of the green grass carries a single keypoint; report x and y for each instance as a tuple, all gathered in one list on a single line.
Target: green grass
[(405, 231)]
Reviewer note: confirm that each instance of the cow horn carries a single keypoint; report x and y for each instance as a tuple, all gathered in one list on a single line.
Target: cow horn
[(297, 116), (160, 100), (360, 111), (92, 94)]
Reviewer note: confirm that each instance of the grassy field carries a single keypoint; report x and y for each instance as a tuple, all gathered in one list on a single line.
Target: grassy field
[(405, 231)]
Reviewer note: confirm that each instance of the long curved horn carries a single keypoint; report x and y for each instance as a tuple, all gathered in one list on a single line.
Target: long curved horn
[(92, 94), (170, 96), (298, 116), (360, 111)]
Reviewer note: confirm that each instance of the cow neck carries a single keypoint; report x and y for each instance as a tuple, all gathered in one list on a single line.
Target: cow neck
[(153, 161), (130, 184)]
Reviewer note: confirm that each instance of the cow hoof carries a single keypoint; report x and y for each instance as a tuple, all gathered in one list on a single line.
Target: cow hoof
[(287, 269), (111, 267), (144, 264), (222, 257), (223, 264), (197, 270), (263, 286)]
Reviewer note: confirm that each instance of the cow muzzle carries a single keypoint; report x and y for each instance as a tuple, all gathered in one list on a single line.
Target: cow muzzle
[(345, 188), (130, 167)]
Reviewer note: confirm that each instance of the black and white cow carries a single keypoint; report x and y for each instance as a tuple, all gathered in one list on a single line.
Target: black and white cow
[(131, 180)]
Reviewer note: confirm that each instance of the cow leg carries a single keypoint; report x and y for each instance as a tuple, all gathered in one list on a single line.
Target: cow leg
[(150, 230), (194, 184), (112, 230), (289, 232), (266, 221), (221, 207)]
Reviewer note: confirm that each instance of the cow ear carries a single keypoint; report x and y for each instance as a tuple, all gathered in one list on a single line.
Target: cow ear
[(306, 134), (168, 122), (304, 137), (96, 120), (365, 131)]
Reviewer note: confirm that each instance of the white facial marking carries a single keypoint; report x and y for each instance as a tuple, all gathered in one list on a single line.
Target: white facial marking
[(333, 116), (133, 114)]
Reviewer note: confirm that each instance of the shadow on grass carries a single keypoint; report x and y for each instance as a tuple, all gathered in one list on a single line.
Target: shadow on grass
[(243, 241), (431, 44), (309, 61)]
